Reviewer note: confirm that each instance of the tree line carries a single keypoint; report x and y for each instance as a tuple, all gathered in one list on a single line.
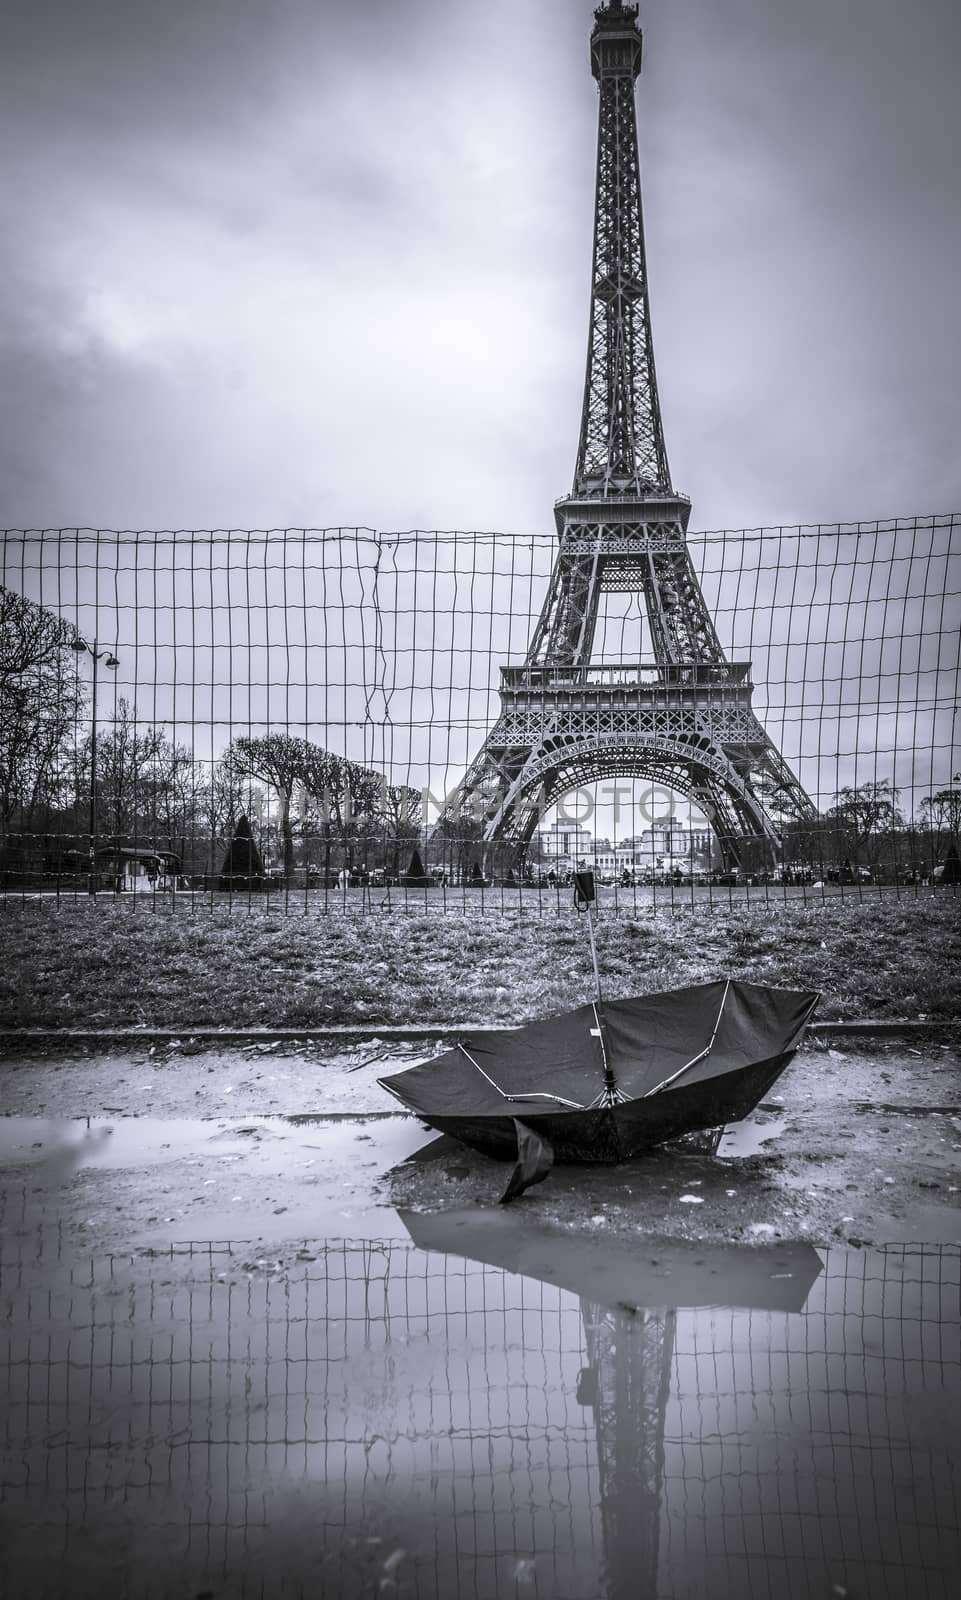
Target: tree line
[(866, 828), (327, 812), (150, 789)]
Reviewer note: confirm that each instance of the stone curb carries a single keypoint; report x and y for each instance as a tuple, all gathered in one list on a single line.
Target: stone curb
[(401, 1033)]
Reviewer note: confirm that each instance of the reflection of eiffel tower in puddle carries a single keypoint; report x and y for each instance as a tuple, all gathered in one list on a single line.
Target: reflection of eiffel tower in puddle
[(685, 718), (628, 1296), (627, 1383)]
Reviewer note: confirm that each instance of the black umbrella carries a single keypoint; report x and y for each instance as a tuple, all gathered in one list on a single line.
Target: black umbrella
[(602, 1084)]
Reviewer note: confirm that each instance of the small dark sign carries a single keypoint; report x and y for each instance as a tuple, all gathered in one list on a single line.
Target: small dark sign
[(583, 888)]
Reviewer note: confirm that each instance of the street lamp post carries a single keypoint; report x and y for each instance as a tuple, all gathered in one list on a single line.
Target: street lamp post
[(85, 647)]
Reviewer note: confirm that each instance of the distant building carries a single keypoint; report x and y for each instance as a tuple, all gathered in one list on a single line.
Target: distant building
[(615, 860), (666, 846), (669, 845), (136, 871), (565, 839)]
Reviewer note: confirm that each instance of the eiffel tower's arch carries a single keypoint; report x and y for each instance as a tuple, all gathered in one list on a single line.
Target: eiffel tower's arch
[(693, 768)]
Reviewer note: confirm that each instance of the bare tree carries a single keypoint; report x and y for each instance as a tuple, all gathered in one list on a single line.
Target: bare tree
[(942, 811), (41, 704), (127, 756), (175, 799), (865, 817), (401, 810), (322, 795), (223, 797), (281, 762), (457, 844), (147, 788), (350, 799)]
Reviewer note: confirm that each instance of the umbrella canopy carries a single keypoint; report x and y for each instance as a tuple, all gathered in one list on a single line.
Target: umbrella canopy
[(605, 1081)]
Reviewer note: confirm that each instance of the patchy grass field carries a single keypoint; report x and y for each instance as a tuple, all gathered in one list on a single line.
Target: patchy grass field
[(120, 965)]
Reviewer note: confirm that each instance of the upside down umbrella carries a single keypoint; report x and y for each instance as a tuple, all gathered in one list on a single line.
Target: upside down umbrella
[(578, 1087), (610, 1079)]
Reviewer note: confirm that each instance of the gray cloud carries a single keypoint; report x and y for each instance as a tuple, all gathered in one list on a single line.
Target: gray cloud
[(318, 263)]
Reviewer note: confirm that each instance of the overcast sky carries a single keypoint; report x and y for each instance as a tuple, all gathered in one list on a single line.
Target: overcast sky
[(276, 262)]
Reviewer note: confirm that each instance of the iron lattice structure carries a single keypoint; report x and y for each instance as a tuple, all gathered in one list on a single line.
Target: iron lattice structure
[(685, 718)]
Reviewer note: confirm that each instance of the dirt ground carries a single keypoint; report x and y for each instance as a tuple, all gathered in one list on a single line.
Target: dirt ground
[(856, 1146)]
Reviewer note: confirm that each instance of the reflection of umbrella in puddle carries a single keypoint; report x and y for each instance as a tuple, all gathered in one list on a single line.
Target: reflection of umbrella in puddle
[(628, 1290), (606, 1082), (628, 1273)]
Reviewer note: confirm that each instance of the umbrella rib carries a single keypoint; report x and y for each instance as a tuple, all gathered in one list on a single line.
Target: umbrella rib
[(535, 1094), (666, 1082)]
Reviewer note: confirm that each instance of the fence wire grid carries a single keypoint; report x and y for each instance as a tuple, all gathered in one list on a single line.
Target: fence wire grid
[(220, 715)]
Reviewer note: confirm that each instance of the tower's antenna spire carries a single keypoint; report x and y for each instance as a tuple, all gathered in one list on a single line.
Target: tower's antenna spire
[(621, 449), (616, 8)]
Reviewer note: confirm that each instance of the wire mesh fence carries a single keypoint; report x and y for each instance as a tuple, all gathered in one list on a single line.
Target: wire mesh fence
[(343, 716), (369, 1418)]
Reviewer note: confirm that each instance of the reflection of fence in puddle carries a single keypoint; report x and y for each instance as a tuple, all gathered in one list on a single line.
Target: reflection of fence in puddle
[(203, 1421), (822, 1446)]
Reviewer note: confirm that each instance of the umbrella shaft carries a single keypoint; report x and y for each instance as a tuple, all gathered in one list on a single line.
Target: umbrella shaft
[(610, 1082), (590, 934)]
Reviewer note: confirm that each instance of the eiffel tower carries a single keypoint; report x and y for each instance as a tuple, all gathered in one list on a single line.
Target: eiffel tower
[(683, 720)]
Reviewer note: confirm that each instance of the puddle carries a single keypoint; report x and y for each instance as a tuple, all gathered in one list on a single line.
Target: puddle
[(182, 1179), (481, 1414), (119, 1143), (749, 1137), (928, 1224)]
